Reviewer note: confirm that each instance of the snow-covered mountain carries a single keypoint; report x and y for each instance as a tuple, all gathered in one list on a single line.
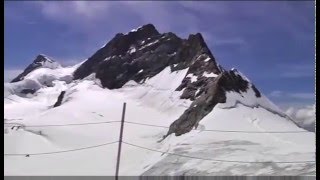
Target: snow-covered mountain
[(186, 115), (41, 61)]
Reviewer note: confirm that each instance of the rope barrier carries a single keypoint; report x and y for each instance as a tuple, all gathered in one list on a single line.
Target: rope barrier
[(50, 125), (57, 152), (143, 124), (227, 131)]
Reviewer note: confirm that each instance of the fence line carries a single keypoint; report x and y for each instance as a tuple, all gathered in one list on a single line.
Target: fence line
[(65, 151), (11, 99), (216, 130), (50, 125), (151, 125), (215, 160), (130, 122)]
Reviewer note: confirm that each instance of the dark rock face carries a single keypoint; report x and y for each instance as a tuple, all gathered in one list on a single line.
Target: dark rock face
[(117, 47), (28, 91), (40, 59), (142, 54), (60, 98), (256, 91), (214, 93)]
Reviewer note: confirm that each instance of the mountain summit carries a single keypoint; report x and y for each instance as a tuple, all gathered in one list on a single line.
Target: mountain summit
[(41, 61), (185, 115)]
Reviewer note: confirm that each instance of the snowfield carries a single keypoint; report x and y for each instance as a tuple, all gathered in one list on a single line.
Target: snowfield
[(231, 140)]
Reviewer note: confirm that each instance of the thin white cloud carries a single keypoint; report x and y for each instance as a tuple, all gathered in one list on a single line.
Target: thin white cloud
[(225, 15), (73, 11), (229, 40), (297, 70), (303, 95), (297, 74), (296, 95), (276, 93), (89, 15), (166, 16)]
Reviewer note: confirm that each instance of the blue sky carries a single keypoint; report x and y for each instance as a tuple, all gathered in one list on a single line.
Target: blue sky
[(272, 43)]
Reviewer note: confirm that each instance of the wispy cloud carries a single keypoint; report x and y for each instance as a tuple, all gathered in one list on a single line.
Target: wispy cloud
[(95, 18), (295, 95), (297, 74), (297, 70), (92, 16), (183, 17), (287, 100), (77, 11)]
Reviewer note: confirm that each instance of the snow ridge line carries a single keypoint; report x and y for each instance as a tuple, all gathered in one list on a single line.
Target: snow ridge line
[(283, 115), (257, 105), (216, 160), (56, 152)]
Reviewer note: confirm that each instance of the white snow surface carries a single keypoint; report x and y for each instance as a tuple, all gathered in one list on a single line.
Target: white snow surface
[(135, 30), (50, 64), (41, 77), (205, 74), (207, 59), (132, 50), (192, 77), (149, 44), (153, 102)]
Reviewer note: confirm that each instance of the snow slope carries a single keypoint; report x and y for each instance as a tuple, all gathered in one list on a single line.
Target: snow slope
[(153, 102)]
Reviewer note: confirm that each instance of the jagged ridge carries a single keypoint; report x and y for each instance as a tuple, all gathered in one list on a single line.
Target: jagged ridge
[(145, 52)]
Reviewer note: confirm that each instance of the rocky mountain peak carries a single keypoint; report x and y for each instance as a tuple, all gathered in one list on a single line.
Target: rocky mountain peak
[(147, 51), (44, 60), (147, 29), (40, 61), (41, 58), (197, 38)]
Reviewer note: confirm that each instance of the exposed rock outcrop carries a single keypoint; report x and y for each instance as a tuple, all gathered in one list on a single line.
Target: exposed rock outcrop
[(59, 100), (28, 91), (214, 93)]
